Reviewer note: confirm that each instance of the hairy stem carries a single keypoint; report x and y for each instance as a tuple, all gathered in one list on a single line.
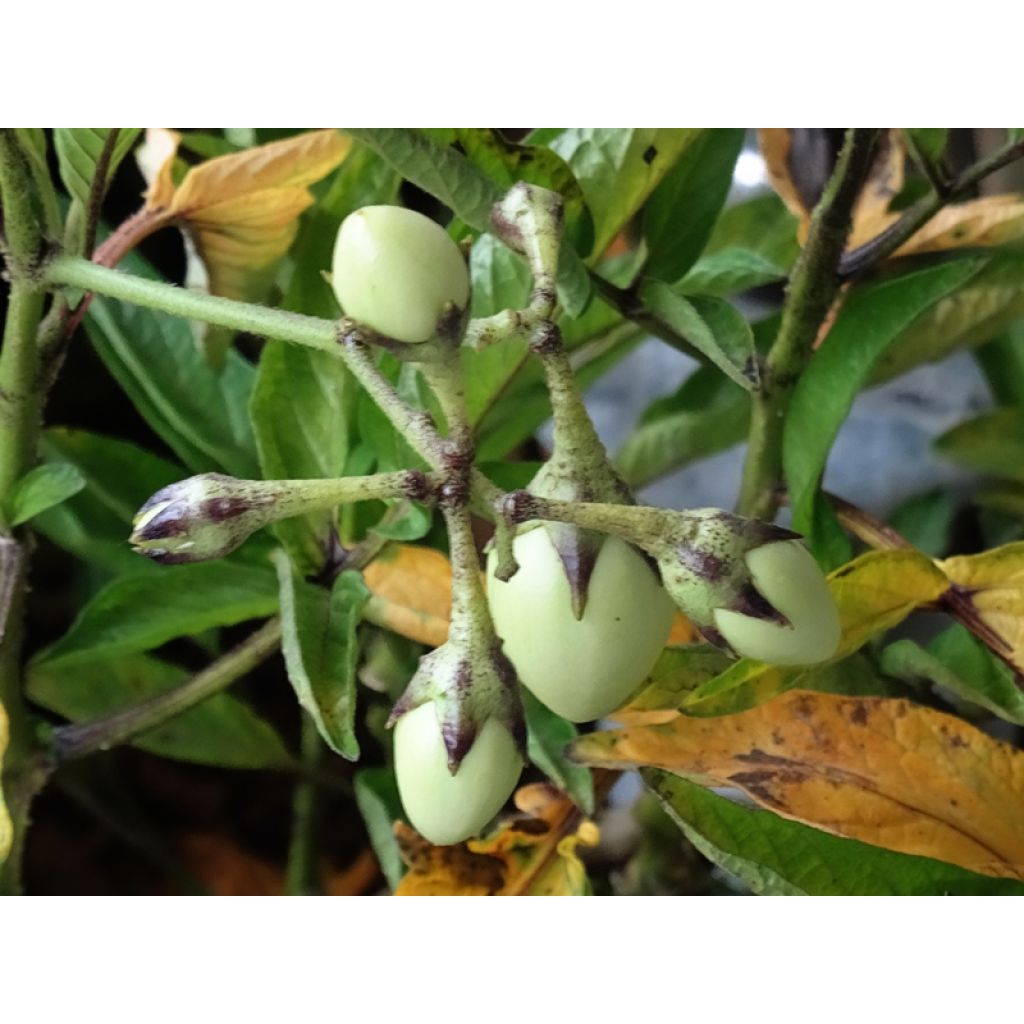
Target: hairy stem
[(812, 289), (82, 738), (310, 331)]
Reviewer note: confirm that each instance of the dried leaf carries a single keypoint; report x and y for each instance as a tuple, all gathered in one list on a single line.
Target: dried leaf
[(989, 221), (884, 771), (242, 209), (993, 585), (412, 593), (532, 855)]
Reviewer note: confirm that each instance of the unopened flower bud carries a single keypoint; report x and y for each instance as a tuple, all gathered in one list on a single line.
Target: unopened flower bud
[(206, 516)]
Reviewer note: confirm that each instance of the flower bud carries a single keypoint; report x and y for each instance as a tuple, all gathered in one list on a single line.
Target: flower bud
[(204, 517), (459, 740), (398, 273)]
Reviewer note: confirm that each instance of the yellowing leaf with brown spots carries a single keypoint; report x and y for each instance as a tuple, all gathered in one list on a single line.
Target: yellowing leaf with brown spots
[(411, 590), (6, 829), (242, 209), (531, 855), (991, 586), (884, 771), (874, 592)]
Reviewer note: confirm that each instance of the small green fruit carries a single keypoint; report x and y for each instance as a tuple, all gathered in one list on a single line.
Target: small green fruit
[(446, 808), (580, 668), (789, 579), (396, 271)]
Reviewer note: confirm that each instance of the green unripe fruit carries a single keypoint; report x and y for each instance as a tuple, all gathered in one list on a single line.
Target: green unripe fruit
[(789, 579), (397, 272), (446, 808), (580, 668)]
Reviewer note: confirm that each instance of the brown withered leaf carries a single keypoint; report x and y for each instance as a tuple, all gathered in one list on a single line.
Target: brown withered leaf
[(531, 855), (412, 592), (992, 585), (241, 210), (881, 770)]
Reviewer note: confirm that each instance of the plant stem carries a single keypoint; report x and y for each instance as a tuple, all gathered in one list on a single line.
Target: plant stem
[(310, 331), (20, 406), (302, 875), (812, 289), (82, 738), (885, 244)]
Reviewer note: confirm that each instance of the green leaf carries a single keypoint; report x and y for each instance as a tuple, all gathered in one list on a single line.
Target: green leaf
[(1002, 362), (708, 414), (414, 524), (321, 650), (682, 210), (95, 523), (222, 730), (729, 272), (78, 155), (926, 520), (42, 488), (507, 163), (301, 421), (202, 415), (376, 792), (929, 142), (548, 735), (977, 312), (962, 664), (140, 613), (870, 319), (992, 443), (676, 674), (762, 226), (618, 168), (711, 325), (773, 856)]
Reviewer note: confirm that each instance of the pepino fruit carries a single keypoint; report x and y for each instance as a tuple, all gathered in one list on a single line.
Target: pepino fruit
[(788, 578), (443, 807), (580, 668), (398, 273)]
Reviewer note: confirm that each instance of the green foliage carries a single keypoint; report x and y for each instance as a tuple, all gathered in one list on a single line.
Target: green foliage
[(42, 488), (321, 651), (775, 857)]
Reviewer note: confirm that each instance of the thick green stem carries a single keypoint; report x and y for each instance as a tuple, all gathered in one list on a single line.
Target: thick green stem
[(82, 738), (812, 290)]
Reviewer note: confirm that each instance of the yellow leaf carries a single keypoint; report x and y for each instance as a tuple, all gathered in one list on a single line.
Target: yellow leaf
[(683, 631), (884, 771), (6, 828), (992, 583), (531, 855), (880, 589), (411, 591), (155, 157), (989, 221), (242, 209), (874, 592)]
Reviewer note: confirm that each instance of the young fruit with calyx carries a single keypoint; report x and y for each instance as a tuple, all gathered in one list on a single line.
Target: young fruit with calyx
[(459, 740), (398, 273), (748, 586)]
